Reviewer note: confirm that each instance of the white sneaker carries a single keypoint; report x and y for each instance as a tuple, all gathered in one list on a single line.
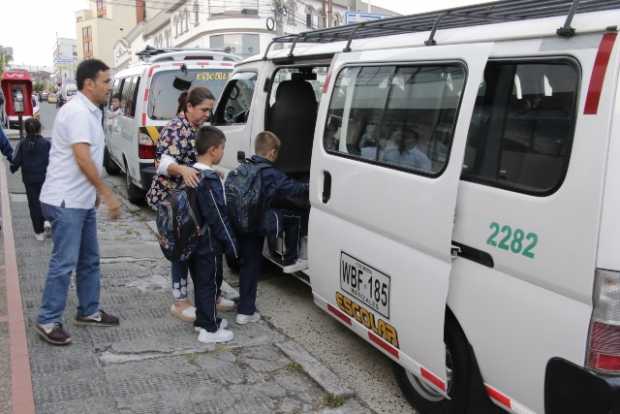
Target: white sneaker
[(221, 335), (39, 236), (224, 304), (245, 319), (298, 266), (47, 227), (223, 325)]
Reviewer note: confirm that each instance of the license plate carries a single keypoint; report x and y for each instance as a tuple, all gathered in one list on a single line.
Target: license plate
[(365, 283)]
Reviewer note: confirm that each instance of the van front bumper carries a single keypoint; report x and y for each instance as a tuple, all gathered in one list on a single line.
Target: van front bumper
[(147, 172), (570, 388)]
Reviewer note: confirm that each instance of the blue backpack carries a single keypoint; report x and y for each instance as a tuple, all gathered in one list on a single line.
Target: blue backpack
[(244, 199), (179, 224)]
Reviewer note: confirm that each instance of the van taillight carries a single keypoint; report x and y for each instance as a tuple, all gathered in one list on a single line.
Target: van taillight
[(604, 341), (146, 147)]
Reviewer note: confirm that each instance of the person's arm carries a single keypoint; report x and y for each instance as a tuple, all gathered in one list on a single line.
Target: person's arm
[(166, 162), (287, 187), (5, 146), (17, 159), (81, 152)]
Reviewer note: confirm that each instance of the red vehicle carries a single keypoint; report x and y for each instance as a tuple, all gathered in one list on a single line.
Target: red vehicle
[(15, 84)]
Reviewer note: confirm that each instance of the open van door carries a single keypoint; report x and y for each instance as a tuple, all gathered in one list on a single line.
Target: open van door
[(387, 158)]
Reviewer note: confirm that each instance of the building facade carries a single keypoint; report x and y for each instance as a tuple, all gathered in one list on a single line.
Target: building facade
[(103, 24), (65, 60), (242, 27)]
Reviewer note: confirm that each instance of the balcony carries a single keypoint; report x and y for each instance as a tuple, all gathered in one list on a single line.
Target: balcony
[(238, 8)]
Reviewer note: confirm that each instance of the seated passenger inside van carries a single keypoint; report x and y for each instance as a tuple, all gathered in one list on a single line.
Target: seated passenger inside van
[(411, 154)]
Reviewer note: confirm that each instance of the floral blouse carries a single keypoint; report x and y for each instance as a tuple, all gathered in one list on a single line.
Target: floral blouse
[(178, 140)]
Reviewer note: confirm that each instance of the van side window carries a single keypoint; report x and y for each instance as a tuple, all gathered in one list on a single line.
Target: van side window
[(522, 126), (234, 106), (396, 116), (130, 92), (116, 90)]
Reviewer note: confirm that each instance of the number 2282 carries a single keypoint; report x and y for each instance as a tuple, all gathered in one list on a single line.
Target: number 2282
[(513, 240)]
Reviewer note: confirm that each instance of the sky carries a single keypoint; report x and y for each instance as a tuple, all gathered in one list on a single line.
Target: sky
[(33, 43)]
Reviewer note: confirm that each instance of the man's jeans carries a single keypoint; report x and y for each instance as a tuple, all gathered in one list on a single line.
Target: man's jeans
[(74, 232)]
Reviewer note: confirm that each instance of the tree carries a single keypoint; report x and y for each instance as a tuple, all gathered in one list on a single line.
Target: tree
[(6, 55), (38, 86)]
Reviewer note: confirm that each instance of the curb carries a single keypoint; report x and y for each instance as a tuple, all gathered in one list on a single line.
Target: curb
[(316, 370), (21, 380)]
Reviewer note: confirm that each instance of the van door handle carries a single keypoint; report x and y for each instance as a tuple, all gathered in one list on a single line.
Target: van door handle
[(241, 156), (327, 186)]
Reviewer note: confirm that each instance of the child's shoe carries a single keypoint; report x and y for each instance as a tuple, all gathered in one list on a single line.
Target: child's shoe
[(183, 310), (224, 305), (39, 236), (245, 319), (221, 335)]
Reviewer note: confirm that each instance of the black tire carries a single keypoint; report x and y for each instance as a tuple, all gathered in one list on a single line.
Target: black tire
[(109, 165), (135, 194), (458, 358)]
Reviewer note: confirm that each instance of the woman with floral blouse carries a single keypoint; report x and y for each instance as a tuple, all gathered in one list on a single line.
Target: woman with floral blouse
[(175, 156)]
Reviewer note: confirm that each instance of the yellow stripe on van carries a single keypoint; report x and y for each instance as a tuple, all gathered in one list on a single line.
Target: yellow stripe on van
[(153, 132)]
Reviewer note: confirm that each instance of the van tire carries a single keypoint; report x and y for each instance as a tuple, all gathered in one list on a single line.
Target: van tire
[(135, 194), (110, 166), (459, 358)]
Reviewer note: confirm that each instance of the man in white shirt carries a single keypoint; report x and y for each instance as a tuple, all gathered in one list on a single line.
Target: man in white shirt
[(70, 194)]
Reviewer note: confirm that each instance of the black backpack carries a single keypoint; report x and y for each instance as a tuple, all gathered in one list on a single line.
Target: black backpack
[(244, 197), (179, 224)]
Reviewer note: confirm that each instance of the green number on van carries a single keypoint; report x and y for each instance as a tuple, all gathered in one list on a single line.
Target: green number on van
[(515, 241)]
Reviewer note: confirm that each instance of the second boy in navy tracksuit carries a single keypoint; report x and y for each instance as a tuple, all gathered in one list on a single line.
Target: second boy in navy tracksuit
[(32, 156), (275, 184), (205, 263)]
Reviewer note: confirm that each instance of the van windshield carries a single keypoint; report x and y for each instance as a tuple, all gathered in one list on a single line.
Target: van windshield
[(163, 96)]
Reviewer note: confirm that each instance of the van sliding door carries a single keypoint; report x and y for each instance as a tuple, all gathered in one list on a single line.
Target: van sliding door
[(387, 159)]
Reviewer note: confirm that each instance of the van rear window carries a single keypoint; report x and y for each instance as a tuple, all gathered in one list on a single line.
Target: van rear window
[(522, 127), (163, 96)]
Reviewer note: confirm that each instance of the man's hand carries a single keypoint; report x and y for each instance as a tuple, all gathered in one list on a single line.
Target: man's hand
[(114, 206), (190, 176)]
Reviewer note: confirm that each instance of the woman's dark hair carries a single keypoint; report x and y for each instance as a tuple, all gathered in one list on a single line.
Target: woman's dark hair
[(195, 96), (32, 126)]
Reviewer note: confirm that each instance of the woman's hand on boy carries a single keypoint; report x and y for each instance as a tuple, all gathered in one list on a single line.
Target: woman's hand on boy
[(190, 176)]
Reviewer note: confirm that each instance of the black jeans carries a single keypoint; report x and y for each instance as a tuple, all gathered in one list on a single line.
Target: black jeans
[(204, 271), (33, 191), (251, 250)]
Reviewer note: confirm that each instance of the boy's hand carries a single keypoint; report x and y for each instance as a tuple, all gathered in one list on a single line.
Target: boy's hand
[(190, 176)]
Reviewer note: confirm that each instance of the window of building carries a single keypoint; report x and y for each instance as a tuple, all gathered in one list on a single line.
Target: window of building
[(101, 10), (309, 17), (396, 116), (244, 45), (236, 100), (87, 42), (196, 13), (521, 132), (291, 12)]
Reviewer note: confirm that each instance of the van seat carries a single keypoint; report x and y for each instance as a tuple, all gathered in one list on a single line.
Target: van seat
[(293, 117)]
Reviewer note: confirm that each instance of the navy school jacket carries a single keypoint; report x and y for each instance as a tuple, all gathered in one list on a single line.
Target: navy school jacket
[(219, 236), (32, 155)]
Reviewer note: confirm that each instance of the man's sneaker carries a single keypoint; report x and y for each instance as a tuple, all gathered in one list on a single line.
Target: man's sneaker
[(245, 319), (98, 319), (221, 335), (183, 310), (224, 305), (221, 324), (294, 266), (54, 334), (39, 236)]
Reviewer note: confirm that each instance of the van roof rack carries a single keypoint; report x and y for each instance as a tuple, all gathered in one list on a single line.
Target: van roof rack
[(473, 15), (153, 54)]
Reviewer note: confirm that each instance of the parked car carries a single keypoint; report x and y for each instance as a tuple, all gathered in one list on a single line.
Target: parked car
[(51, 98), (43, 96)]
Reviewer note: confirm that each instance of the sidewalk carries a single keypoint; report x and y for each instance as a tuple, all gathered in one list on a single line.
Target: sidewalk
[(153, 363)]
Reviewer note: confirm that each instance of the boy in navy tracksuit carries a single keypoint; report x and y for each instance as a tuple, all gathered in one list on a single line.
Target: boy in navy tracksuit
[(32, 156), (205, 262), (275, 184)]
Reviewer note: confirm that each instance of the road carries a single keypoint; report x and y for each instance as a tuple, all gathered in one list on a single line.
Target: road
[(287, 304)]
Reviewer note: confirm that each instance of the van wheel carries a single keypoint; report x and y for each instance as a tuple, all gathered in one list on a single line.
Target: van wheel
[(135, 194), (110, 166), (427, 400)]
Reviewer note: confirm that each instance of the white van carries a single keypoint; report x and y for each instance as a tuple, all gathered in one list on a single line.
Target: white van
[(147, 100), (465, 189)]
